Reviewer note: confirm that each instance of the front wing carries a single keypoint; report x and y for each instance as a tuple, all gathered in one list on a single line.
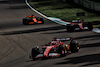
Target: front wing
[(84, 28), (50, 55)]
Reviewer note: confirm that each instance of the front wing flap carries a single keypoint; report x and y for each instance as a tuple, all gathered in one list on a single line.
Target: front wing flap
[(50, 55)]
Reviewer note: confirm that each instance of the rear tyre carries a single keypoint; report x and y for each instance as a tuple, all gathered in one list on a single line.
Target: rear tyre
[(34, 53), (74, 46), (61, 50), (69, 28), (90, 26), (25, 22)]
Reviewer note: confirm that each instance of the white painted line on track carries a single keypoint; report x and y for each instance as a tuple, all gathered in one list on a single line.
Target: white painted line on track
[(35, 10), (59, 21)]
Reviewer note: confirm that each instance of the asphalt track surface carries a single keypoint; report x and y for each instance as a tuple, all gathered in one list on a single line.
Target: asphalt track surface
[(16, 40)]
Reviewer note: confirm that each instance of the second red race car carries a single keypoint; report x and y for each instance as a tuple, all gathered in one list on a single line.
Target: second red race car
[(56, 48), (77, 25), (32, 19)]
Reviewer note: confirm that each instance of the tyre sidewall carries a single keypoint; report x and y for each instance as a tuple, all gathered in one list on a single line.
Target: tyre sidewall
[(73, 46)]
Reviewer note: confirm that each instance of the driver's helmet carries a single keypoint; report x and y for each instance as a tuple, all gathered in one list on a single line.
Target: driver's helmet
[(79, 20)]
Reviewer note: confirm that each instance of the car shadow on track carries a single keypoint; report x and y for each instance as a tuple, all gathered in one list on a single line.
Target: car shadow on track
[(61, 32), (16, 1), (33, 30), (15, 7), (89, 36), (65, 31), (55, 32), (93, 59), (90, 45), (3, 2)]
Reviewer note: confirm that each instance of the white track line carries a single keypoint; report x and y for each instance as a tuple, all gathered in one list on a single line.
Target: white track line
[(96, 30), (36, 10)]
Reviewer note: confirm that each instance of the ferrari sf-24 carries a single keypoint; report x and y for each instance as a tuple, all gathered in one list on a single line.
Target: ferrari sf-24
[(55, 48), (77, 25)]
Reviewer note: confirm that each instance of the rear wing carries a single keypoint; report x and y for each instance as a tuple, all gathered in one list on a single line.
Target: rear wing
[(31, 16), (64, 39)]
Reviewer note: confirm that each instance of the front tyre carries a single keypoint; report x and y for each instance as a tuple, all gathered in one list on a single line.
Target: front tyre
[(25, 21), (69, 28), (41, 19), (34, 53)]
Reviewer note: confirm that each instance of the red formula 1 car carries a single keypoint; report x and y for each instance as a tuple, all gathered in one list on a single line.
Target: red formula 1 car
[(32, 20), (77, 25), (56, 48)]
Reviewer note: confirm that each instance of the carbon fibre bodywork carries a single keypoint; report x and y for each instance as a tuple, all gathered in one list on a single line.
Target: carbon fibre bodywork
[(78, 25), (55, 48)]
